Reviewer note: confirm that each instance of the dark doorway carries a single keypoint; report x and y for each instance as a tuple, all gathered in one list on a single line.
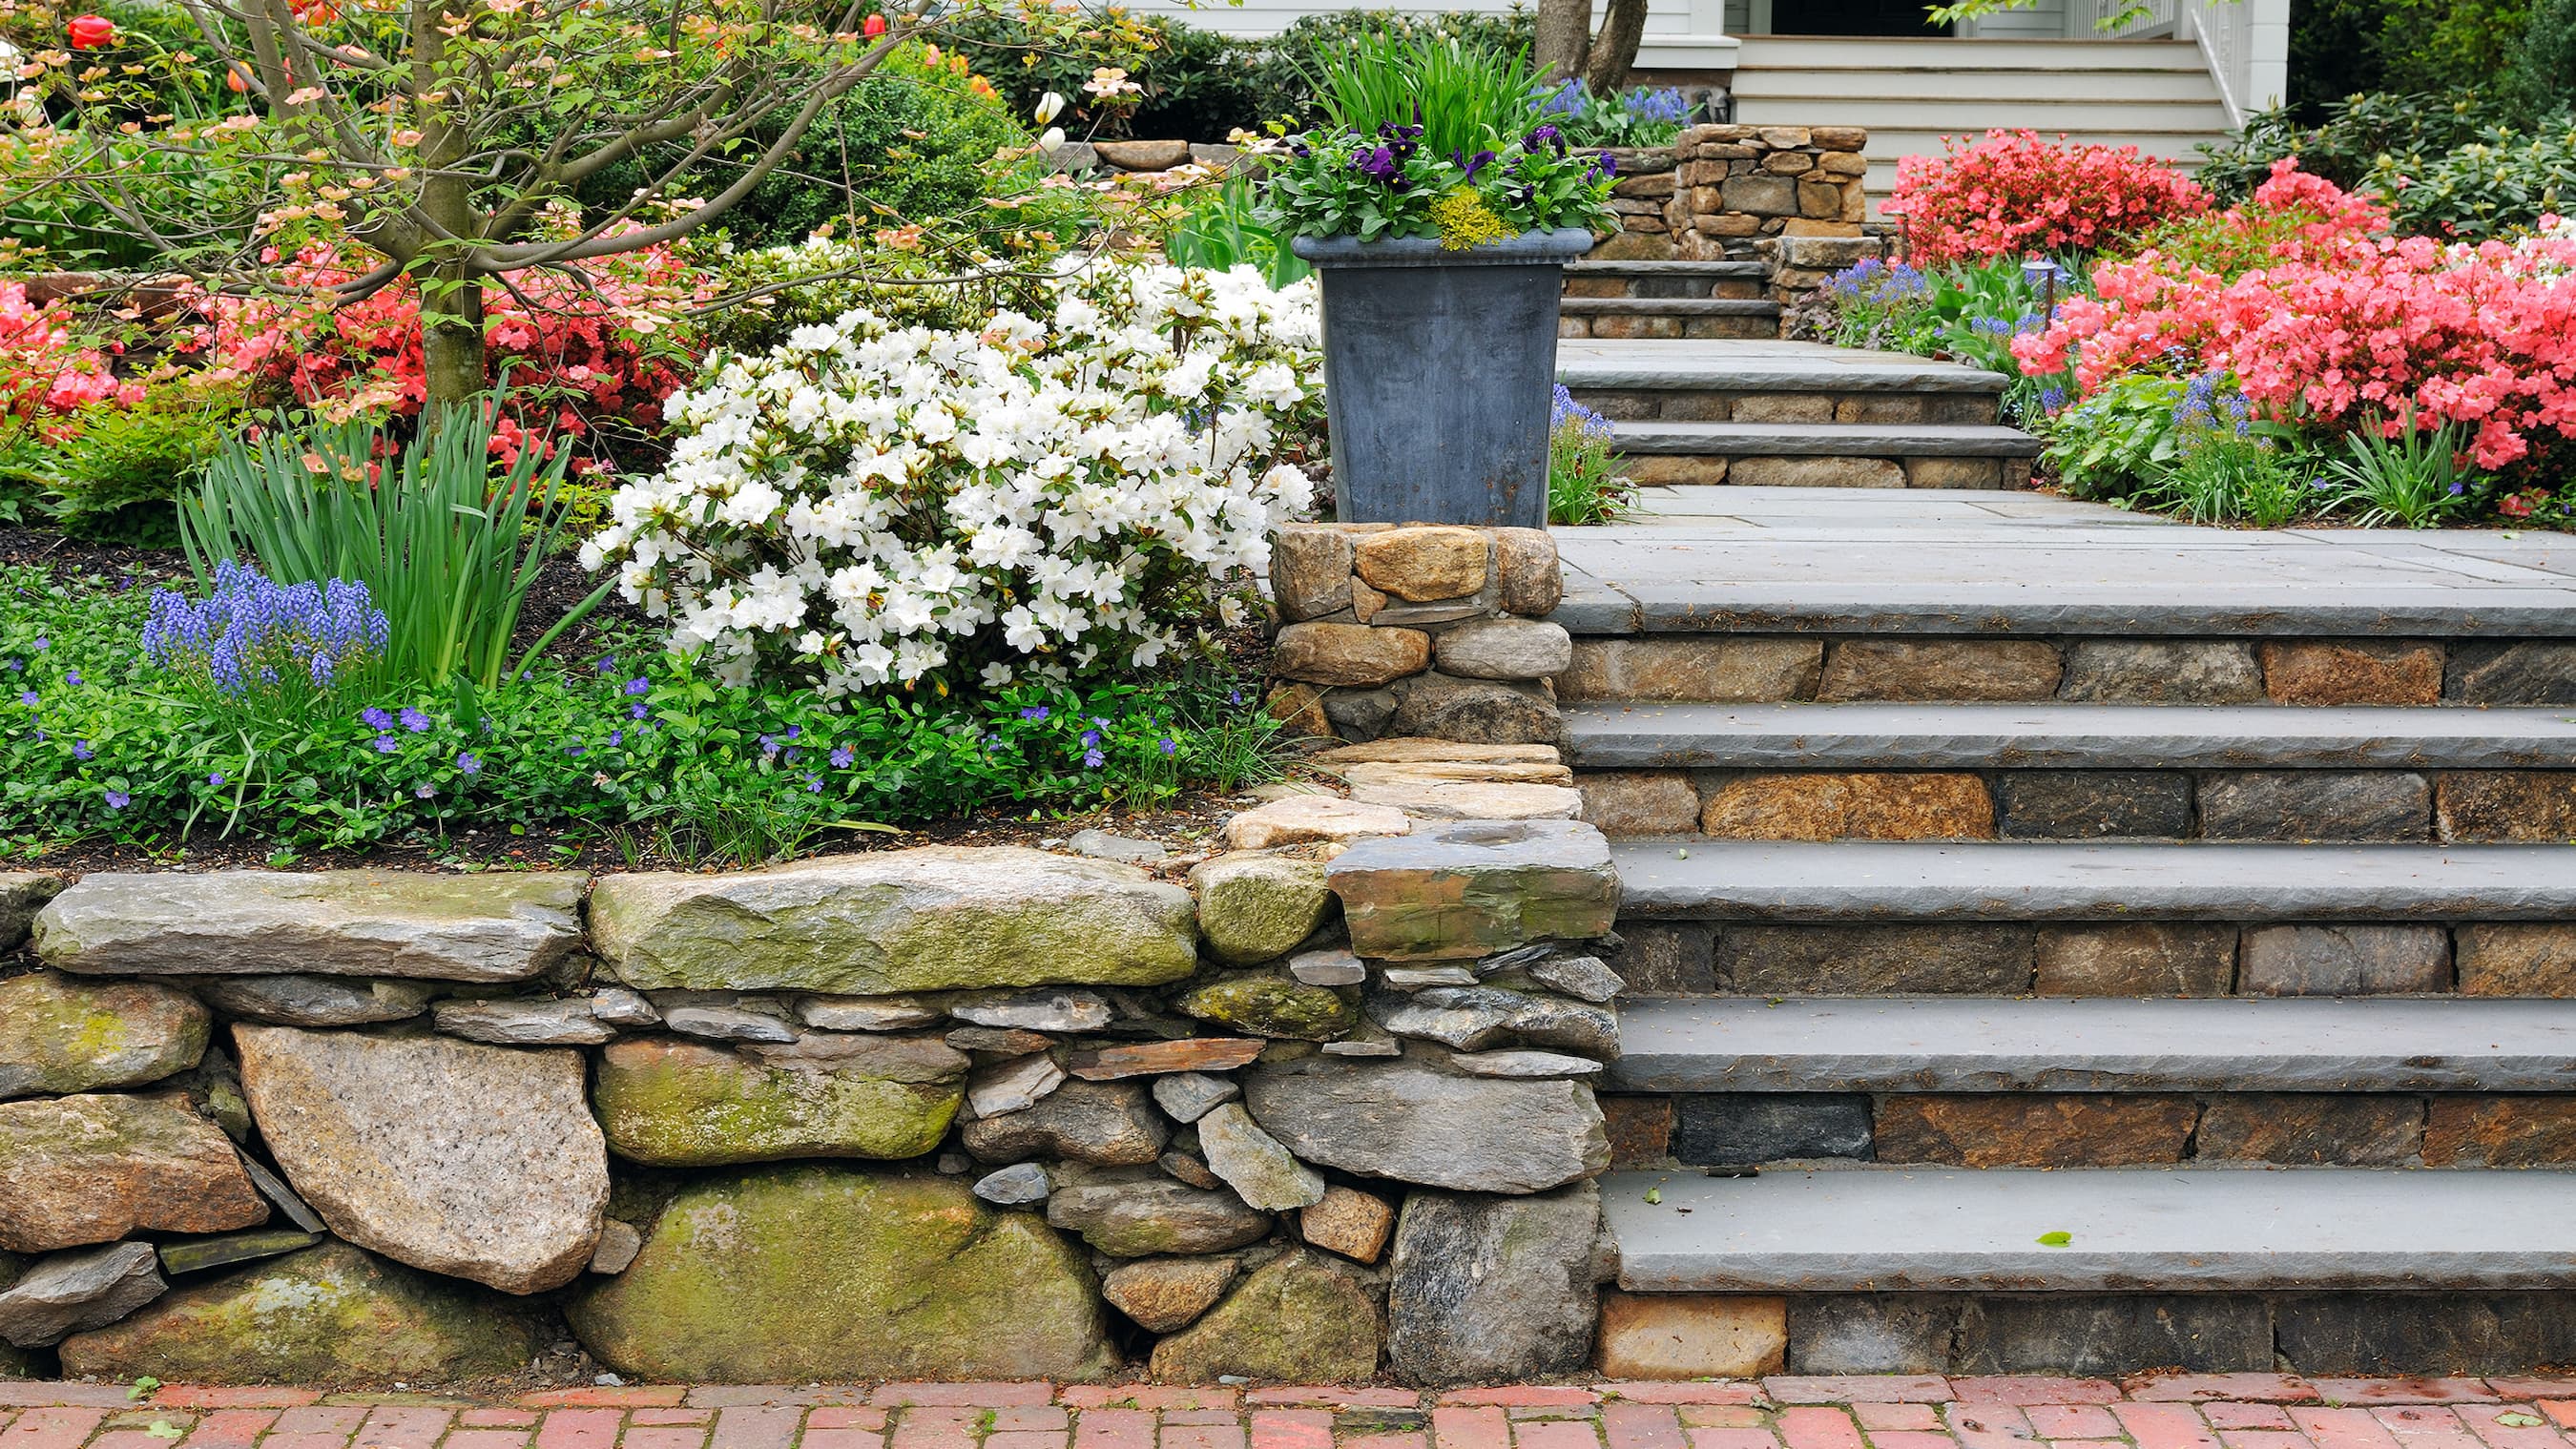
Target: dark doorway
[(1851, 17)]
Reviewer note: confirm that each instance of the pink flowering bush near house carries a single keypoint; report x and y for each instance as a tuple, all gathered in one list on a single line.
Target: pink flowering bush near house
[(2013, 193), (2345, 325)]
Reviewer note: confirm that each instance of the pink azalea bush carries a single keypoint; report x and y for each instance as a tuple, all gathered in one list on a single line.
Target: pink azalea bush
[(44, 368), (2012, 193), (2345, 324)]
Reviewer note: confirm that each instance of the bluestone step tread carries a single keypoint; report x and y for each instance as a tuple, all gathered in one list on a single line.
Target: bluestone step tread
[(1615, 735), (1857, 882), (1757, 365), (1830, 440), (1670, 307), (2004, 1044), (2130, 1230)]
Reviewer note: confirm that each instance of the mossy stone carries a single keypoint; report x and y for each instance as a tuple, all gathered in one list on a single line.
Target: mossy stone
[(829, 1274), (1298, 1319), (332, 1314), (60, 1036), (1256, 906), (1267, 1005), (687, 1104)]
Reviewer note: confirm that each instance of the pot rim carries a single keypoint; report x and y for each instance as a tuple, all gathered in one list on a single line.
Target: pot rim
[(1529, 249)]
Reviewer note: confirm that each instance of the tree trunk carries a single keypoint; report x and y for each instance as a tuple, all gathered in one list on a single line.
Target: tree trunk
[(451, 341), (1564, 29), (451, 297), (1614, 50)]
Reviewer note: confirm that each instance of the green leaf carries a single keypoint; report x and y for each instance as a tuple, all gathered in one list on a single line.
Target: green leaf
[(1654, 1195), (163, 1429), (2056, 1239), (2517, 1419), (143, 1384)]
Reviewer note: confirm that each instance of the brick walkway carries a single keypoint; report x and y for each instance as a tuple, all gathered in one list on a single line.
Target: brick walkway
[(2223, 1411)]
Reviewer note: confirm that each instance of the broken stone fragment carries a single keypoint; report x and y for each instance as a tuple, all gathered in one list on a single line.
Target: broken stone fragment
[(1524, 1063), (728, 1023), (1112, 1124), (198, 1255), (1055, 1010), (1261, 1172), (1187, 1096), (1412, 1121), (867, 1013), (1144, 1217), (1332, 967), (1012, 1086), (1164, 1295), (67, 1292), (1347, 1221), (524, 1021), (301, 1000), (1146, 1059), (619, 1242), (1017, 1185)]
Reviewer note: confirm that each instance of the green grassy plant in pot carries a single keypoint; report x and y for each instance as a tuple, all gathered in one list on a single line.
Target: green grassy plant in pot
[(1440, 213)]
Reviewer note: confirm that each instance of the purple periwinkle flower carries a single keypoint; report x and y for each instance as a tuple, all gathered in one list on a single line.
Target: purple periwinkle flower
[(635, 711), (1090, 738), (43, 644), (413, 720), (27, 697), (1168, 745), (638, 685), (117, 799), (81, 750), (387, 744), (375, 719), (1092, 759), (1035, 711), (841, 757), (616, 738), (423, 791), (469, 764), (216, 778), (72, 677)]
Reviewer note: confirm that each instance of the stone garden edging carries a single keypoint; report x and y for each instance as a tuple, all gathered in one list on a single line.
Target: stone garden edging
[(943, 1112)]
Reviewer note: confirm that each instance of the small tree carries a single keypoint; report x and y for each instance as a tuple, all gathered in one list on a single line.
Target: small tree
[(440, 134), (1566, 46)]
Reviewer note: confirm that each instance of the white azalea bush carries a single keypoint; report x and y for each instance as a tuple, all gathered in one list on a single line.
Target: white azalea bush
[(873, 503)]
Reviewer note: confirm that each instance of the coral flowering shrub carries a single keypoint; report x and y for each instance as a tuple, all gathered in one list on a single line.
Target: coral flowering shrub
[(612, 345), (43, 368), (2348, 326), (2013, 193)]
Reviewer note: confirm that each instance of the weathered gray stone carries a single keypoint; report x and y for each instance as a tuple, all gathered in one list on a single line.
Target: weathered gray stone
[(1467, 1019), (2516, 671), (1017, 1185), (1013, 1086), (279, 1195), (1404, 1119), (1668, 958), (1939, 669), (22, 894), (1164, 1295), (1332, 967), (226, 1250), (2396, 1333), (1255, 906), (687, 1104), (1310, 571), (933, 918), (1505, 649), (1261, 1172), (767, 1276), (729, 1023), (1469, 889), (1493, 1289), (96, 1167), (1872, 1333), (1712, 668), (524, 1021), (1360, 714), (1575, 1026), (867, 1013), (2316, 805), (1300, 819), (1725, 1129), (2136, 958), (1473, 711), (1109, 1123), (1423, 978), (2102, 1334), (1300, 1318), (1057, 1010), (329, 1314), (2162, 671), (2343, 960), (1871, 960), (67, 1292), (620, 1007), (503, 927), (1143, 1217), (300, 1000), (2092, 804), (475, 1161), (1190, 1170), (1367, 1039), (619, 1242), (1519, 1062), (1582, 977), (1101, 845), (58, 1035), (1187, 1096)]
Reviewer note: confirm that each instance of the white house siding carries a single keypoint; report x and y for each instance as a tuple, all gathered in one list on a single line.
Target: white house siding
[(1680, 34)]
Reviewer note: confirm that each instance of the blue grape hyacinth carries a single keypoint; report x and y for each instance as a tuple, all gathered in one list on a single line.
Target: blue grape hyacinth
[(253, 633)]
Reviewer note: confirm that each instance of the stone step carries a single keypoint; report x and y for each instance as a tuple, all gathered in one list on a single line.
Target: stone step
[(1598, 281), (1988, 1044), (1877, 883), (1874, 736), (1668, 317), (1757, 366), (1940, 1230), (1835, 440)]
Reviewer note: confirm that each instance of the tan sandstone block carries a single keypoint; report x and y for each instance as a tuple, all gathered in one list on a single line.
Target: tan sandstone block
[(2351, 671), (1708, 669), (1868, 805), (1421, 564), (1353, 654), (1692, 1335)]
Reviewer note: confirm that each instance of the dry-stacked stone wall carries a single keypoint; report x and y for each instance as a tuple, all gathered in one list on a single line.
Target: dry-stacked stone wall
[(1275, 1111), (1430, 630), (1790, 196)]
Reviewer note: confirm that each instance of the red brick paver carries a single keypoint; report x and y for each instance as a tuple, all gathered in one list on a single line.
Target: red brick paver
[(2177, 1411)]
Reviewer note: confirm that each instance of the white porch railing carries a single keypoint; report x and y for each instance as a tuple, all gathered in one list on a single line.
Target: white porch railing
[(2248, 46)]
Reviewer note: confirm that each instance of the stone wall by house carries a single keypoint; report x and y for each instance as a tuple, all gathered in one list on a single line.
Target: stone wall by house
[(1437, 631), (926, 1113), (1789, 196)]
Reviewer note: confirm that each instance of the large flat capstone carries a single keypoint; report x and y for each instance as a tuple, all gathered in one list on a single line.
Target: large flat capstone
[(932, 919), (674, 1103), (335, 923), (1474, 887), (1409, 1120), (812, 1274), (478, 1161)]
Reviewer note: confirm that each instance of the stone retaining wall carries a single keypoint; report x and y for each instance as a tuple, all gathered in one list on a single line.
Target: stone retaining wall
[(1787, 195), (928, 1113), (1420, 630)]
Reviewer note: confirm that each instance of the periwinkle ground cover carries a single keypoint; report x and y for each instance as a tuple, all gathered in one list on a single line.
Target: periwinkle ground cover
[(99, 740)]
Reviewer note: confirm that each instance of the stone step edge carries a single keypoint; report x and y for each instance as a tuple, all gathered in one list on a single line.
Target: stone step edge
[(1827, 440), (1629, 735), (2094, 1044), (2091, 1230), (2004, 610), (1584, 374), (1849, 883), (1669, 307)]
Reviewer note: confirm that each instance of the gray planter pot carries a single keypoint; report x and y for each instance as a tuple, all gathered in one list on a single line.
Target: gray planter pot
[(1439, 368)]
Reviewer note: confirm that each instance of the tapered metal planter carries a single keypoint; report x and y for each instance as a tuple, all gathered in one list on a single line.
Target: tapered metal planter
[(1438, 374)]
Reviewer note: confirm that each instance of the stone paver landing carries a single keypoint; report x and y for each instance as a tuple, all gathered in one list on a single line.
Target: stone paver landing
[(2210, 1411)]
